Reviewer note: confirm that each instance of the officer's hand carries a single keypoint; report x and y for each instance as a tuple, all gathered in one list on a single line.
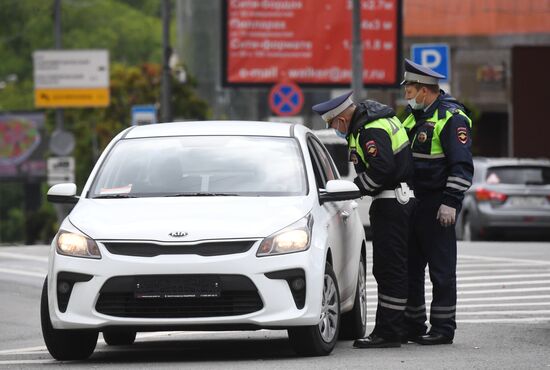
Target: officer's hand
[(446, 215)]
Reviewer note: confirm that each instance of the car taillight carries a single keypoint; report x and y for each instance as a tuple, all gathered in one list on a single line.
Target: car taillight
[(489, 195)]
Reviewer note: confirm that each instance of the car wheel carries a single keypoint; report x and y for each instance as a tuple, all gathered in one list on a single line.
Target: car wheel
[(64, 344), (320, 339), (468, 233), (354, 323), (119, 337)]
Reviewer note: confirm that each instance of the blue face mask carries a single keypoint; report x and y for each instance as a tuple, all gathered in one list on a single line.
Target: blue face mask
[(340, 134)]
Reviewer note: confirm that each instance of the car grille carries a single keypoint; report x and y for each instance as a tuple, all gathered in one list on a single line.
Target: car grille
[(237, 296), (202, 249)]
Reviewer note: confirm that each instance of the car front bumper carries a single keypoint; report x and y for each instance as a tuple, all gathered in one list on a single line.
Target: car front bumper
[(279, 308)]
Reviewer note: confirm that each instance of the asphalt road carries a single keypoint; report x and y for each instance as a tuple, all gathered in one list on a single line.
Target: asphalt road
[(503, 316)]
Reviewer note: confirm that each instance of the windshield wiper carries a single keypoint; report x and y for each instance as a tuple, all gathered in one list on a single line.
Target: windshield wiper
[(200, 194), (108, 196)]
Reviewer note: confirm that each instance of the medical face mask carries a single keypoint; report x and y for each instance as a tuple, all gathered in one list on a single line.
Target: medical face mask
[(414, 105), (340, 134)]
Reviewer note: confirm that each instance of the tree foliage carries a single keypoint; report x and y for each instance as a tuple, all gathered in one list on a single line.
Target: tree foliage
[(131, 30)]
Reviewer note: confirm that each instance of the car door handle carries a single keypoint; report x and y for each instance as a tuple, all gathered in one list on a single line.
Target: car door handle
[(345, 215)]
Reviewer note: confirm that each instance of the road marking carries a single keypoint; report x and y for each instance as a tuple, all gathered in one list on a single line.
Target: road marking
[(23, 273), (505, 259), (28, 362), (495, 277), (23, 257), (505, 284), (462, 306), (500, 298), (499, 271), (461, 266), (523, 320)]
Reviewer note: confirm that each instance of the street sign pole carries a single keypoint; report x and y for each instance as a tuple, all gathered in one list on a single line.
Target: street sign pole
[(357, 52), (57, 38)]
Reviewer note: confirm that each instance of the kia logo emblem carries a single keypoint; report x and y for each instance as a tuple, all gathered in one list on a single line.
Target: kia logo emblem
[(178, 234)]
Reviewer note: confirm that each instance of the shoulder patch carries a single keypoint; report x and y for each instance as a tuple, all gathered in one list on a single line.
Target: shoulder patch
[(462, 135), (371, 149)]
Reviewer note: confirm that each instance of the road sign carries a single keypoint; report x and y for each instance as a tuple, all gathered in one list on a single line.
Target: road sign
[(60, 170), (434, 56), (144, 115), (286, 99), (71, 78), (62, 142)]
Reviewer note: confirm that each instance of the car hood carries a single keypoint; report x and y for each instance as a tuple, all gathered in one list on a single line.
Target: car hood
[(200, 217)]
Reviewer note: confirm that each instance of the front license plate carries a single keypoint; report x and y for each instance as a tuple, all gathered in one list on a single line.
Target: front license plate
[(529, 202), (177, 287)]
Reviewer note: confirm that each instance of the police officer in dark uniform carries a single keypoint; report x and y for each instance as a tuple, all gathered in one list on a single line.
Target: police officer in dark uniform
[(380, 150), (440, 134)]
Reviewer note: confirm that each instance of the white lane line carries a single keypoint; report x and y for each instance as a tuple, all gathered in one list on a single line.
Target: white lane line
[(523, 320), (23, 273), (27, 362), (505, 259), (514, 264), (460, 307), (23, 257), (495, 277), (504, 283), (18, 350), (500, 271), (515, 312), (500, 298), (485, 291)]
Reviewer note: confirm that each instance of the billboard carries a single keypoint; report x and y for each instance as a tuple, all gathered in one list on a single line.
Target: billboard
[(22, 147), (309, 42)]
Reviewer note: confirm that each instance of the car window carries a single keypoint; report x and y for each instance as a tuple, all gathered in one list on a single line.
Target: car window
[(326, 166), (340, 156), (519, 175), (234, 165)]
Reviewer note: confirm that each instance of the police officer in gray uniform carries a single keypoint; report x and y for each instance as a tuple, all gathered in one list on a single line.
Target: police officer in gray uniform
[(380, 150)]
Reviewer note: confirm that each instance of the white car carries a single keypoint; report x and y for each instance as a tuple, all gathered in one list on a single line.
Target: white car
[(217, 225)]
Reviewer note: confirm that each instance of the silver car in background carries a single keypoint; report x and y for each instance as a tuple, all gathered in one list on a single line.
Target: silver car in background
[(509, 197)]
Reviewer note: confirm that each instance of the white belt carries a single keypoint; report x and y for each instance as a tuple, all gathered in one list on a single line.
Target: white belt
[(402, 194)]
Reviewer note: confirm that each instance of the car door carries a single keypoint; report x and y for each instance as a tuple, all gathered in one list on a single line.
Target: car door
[(341, 222)]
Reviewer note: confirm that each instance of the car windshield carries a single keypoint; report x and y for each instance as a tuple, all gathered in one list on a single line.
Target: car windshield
[(202, 166), (519, 175)]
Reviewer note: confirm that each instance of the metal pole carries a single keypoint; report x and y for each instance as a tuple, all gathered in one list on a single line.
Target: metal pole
[(357, 52), (57, 38), (166, 111)]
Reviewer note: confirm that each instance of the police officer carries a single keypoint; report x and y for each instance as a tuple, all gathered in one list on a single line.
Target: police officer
[(380, 150), (440, 134)]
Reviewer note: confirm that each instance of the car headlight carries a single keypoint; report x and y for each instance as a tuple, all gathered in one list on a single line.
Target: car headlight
[(71, 244), (293, 238)]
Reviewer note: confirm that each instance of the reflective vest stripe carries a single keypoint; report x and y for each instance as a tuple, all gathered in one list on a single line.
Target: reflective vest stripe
[(429, 156)]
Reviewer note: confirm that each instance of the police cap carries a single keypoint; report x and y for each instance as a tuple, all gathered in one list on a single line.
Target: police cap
[(417, 73), (333, 107)]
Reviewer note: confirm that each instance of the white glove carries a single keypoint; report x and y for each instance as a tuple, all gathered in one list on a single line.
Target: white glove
[(446, 215)]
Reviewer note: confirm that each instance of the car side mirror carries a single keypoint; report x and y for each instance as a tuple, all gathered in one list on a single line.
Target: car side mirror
[(337, 190), (63, 193)]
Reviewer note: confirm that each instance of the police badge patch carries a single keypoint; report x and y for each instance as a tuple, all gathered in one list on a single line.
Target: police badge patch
[(422, 137), (462, 135), (371, 148), (353, 157)]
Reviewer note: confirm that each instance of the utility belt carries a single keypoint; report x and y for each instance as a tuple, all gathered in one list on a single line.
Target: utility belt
[(402, 193)]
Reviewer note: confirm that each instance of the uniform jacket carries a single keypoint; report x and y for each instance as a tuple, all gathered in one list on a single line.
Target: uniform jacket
[(441, 142), (380, 167)]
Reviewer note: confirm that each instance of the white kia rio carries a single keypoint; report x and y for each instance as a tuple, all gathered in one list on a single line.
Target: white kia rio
[(217, 225)]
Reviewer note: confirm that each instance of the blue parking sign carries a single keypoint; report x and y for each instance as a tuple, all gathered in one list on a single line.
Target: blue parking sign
[(434, 56)]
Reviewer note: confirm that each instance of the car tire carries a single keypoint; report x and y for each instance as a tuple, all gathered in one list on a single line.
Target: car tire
[(320, 339), (468, 232), (354, 322), (63, 344), (119, 337)]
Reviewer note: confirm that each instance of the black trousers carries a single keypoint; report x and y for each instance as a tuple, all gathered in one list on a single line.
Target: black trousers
[(390, 232), (433, 245)]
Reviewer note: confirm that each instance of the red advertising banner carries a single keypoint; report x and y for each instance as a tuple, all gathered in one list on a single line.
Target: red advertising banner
[(309, 41)]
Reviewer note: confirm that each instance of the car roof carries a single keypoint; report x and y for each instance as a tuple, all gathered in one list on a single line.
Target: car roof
[(328, 136), (488, 162), (200, 128)]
